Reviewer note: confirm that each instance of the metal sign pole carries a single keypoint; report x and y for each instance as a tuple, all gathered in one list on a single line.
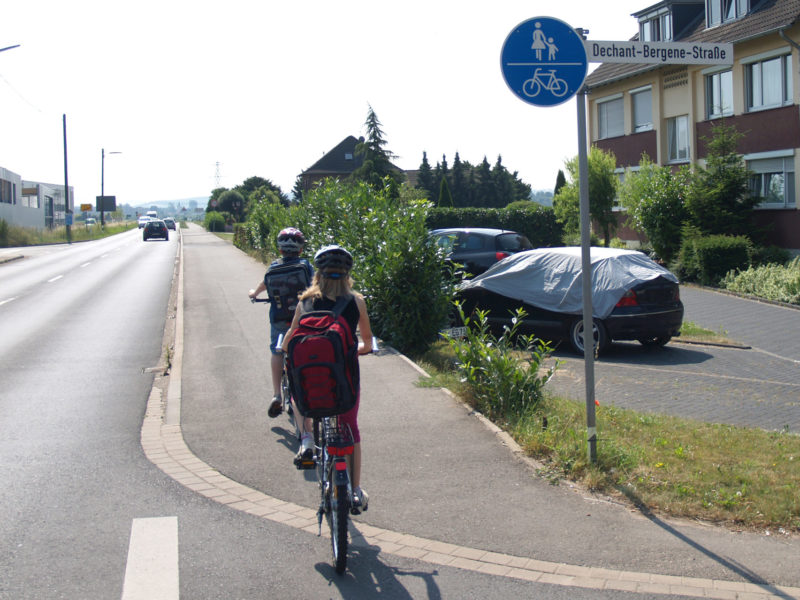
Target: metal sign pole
[(586, 278)]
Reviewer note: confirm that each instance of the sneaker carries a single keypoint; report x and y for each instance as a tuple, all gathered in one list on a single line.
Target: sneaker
[(306, 451), (275, 407), (360, 501)]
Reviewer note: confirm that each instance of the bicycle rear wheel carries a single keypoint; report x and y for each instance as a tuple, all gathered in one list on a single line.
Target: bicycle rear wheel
[(286, 394), (337, 519)]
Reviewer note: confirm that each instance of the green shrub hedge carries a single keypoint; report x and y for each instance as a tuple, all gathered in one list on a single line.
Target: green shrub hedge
[(537, 222), (708, 259)]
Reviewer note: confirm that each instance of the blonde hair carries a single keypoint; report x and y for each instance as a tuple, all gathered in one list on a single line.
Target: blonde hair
[(325, 286)]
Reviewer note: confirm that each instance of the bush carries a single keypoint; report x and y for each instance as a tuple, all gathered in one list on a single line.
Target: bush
[(3, 233), (503, 384), (214, 221), (769, 255), (397, 267), (771, 282), (708, 259), (536, 222)]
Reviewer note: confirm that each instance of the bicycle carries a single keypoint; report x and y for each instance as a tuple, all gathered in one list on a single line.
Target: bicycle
[(286, 394), (332, 445), (531, 87)]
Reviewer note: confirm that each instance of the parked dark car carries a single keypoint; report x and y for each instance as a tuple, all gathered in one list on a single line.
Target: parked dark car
[(155, 228), (477, 249), (633, 298)]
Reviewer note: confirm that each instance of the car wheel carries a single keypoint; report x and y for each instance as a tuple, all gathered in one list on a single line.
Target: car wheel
[(576, 336), (662, 340)]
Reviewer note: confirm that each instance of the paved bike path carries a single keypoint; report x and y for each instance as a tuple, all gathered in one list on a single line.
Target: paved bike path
[(445, 488)]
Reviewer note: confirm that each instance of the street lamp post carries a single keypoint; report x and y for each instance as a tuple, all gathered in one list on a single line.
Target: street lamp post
[(102, 184)]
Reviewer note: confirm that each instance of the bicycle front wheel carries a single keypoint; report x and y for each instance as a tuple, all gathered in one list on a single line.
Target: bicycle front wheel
[(531, 88), (337, 519)]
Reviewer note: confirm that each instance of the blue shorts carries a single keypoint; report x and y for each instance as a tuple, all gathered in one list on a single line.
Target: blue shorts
[(276, 329)]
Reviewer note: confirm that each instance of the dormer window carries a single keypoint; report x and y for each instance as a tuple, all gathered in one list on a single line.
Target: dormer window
[(348, 156), (722, 11), (656, 26)]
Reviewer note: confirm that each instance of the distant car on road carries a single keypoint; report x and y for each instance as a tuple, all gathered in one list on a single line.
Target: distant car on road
[(633, 298), (91, 221), (478, 248), (143, 221), (155, 228), (170, 223)]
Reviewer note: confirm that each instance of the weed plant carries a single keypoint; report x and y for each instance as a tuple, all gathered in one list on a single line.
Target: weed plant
[(505, 374)]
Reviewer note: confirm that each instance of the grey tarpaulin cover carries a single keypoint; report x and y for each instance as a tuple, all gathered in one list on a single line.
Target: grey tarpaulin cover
[(550, 278)]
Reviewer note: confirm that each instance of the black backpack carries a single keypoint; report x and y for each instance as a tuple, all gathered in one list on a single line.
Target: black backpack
[(284, 283)]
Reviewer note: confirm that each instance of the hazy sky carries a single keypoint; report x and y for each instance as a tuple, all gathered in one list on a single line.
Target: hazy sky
[(266, 87)]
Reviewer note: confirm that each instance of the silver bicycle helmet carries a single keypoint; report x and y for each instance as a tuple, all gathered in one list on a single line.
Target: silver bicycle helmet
[(333, 257), (291, 240)]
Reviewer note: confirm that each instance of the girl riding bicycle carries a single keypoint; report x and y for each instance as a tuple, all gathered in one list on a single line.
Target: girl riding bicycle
[(331, 281)]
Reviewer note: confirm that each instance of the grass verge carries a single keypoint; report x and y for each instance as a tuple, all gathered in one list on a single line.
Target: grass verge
[(14, 236), (739, 477)]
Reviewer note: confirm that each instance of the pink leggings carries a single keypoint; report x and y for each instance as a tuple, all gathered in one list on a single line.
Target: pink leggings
[(350, 418)]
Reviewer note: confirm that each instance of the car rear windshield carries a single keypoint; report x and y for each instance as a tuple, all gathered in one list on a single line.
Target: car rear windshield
[(513, 242)]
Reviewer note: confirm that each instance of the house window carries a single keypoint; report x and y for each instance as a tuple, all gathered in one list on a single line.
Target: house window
[(722, 11), (642, 103), (769, 82), (610, 118), (656, 28), (678, 138), (719, 94), (773, 180), (7, 190)]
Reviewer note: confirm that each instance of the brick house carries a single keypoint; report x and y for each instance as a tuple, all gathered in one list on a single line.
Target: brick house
[(666, 110)]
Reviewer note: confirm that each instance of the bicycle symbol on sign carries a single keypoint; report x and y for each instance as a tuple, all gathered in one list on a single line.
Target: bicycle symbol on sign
[(548, 81)]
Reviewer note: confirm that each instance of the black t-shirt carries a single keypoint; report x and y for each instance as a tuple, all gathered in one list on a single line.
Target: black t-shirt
[(350, 313)]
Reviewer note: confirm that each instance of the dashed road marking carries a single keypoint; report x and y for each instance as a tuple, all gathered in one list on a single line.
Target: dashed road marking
[(56, 278), (152, 568)]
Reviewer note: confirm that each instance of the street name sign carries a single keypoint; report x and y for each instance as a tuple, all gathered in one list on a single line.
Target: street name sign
[(544, 61), (665, 53)]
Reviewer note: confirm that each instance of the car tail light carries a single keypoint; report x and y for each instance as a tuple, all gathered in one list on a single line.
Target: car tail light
[(628, 299), (501, 255)]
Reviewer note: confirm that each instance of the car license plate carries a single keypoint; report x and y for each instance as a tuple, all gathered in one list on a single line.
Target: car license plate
[(455, 332)]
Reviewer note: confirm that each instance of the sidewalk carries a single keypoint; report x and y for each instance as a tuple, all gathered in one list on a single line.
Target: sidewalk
[(445, 487)]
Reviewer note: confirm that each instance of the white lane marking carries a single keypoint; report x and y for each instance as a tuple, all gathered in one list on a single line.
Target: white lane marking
[(152, 570), (7, 300), (54, 279), (85, 264)]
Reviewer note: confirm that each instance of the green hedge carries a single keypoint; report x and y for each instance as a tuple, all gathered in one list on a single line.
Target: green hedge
[(537, 223), (708, 259)]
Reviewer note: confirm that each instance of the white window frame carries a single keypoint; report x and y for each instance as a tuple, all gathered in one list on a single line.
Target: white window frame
[(637, 124), (603, 104), (661, 21), (713, 81), (780, 163), (736, 9), (681, 153), (754, 79)]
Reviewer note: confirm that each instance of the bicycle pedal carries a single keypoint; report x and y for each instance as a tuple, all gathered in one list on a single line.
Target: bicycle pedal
[(304, 464)]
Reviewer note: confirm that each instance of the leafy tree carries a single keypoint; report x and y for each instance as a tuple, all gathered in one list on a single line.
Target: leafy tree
[(425, 179), (719, 201), (376, 165), (459, 177), (655, 201), (231, 202), (561, 181), (445, 198), (213, 200), (487, 193), (602, 191), (297, 190)]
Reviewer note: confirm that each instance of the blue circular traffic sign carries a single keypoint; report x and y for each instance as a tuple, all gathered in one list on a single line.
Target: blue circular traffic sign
[(544, 61)]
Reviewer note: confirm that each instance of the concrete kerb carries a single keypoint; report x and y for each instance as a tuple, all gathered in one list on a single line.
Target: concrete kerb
[(163, 444)]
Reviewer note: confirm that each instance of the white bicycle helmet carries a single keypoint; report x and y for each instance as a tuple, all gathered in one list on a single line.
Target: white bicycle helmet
[(333, 257)]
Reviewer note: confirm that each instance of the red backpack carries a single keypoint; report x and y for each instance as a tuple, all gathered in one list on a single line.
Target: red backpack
[(323, 361)]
